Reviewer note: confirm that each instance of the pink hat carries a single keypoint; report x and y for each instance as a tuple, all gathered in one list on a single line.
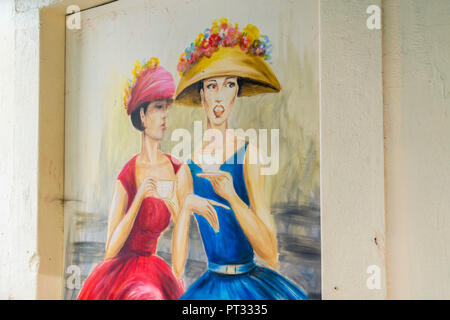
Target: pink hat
[(151, 82)]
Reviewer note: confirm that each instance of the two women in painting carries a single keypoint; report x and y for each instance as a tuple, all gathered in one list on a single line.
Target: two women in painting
[(224, 64), (228, 201), (144, 201)]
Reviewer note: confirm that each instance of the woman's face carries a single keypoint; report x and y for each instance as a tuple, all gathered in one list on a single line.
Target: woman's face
[(218, 96), (154, 119)]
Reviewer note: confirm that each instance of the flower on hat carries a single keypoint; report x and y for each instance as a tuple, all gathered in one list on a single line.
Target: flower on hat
[(251, 32), (223, 33)]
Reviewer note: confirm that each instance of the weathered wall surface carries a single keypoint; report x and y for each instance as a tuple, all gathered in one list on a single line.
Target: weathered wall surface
[(19, 67), (417, 133), (352, 169)]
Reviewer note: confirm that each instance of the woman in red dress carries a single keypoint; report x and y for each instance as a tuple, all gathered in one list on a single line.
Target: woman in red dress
[(139, 213)]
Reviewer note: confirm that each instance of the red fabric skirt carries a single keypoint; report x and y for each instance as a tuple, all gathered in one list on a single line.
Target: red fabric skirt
[(132, 277)]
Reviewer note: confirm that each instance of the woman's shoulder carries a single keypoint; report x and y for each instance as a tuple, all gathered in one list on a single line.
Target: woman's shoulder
[(128, 165), (176, 163), (126, 175)]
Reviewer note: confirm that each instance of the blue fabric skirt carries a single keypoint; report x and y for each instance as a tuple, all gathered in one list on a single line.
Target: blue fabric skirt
[(257, 284)]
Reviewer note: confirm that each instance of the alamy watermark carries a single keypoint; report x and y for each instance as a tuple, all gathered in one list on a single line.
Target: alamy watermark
[(258, 153), (73, 281), (374, 20), (374, 280), (73, 20)]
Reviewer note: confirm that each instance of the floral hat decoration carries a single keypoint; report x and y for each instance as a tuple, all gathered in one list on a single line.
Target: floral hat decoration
[(224, 50), (149, 82)]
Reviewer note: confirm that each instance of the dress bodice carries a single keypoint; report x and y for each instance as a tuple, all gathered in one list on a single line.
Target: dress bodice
[(153, 216), (229, 245)]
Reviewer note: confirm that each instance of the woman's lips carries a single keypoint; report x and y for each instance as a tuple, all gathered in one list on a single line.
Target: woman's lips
[(218, 111)]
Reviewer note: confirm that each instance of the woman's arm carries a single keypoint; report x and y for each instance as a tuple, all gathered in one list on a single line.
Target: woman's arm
[(257, 221), (189, 203), (181, 219), (119, 223)]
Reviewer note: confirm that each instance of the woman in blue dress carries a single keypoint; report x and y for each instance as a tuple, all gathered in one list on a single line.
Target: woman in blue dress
[(223, 64)]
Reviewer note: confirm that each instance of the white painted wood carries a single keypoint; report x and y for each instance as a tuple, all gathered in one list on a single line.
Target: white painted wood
[(352, 169), (417, 109), (19, 67)]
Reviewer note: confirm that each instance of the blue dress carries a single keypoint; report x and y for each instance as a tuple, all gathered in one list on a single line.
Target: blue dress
[(232, 274)]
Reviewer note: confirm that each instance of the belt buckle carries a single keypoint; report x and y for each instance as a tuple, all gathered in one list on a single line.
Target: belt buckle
[(231, 269)]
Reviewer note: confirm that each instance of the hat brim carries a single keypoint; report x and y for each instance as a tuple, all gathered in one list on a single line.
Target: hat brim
[(257, 77)]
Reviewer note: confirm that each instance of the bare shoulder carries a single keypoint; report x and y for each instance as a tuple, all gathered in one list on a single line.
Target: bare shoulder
[(184, 170), (184, 175)]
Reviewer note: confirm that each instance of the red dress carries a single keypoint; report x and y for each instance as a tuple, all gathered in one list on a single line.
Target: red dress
[(136, 273)]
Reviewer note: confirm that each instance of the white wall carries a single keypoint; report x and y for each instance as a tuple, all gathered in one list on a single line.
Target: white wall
[(417, 147), (19, 65), (352, 168)]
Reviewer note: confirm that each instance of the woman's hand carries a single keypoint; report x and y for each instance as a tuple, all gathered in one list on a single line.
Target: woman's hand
[(147, 188), (172, 201), (204, 207), (222, 183)]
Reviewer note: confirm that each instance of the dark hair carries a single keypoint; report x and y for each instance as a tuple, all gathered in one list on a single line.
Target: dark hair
[(136, 116), (240, 81)]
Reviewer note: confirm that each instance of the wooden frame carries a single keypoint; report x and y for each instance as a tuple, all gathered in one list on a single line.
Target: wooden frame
[(51, 147)]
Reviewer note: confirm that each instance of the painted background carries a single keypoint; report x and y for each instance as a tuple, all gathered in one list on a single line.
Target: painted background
[(99, 137)]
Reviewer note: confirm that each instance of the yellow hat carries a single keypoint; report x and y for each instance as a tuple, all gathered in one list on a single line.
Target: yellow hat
[(257, 77)]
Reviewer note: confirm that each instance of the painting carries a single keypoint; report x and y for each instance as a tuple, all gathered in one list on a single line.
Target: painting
[(192, 152)]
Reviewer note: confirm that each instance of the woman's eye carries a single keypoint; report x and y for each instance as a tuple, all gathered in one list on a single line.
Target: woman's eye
[(211, 86), (231, 84), (159, 106)]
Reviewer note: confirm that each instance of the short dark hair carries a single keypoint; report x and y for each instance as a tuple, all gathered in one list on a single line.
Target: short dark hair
[(240, 81), (136, 116)]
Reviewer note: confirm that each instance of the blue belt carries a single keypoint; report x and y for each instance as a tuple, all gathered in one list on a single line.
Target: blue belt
[(231, 268)]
